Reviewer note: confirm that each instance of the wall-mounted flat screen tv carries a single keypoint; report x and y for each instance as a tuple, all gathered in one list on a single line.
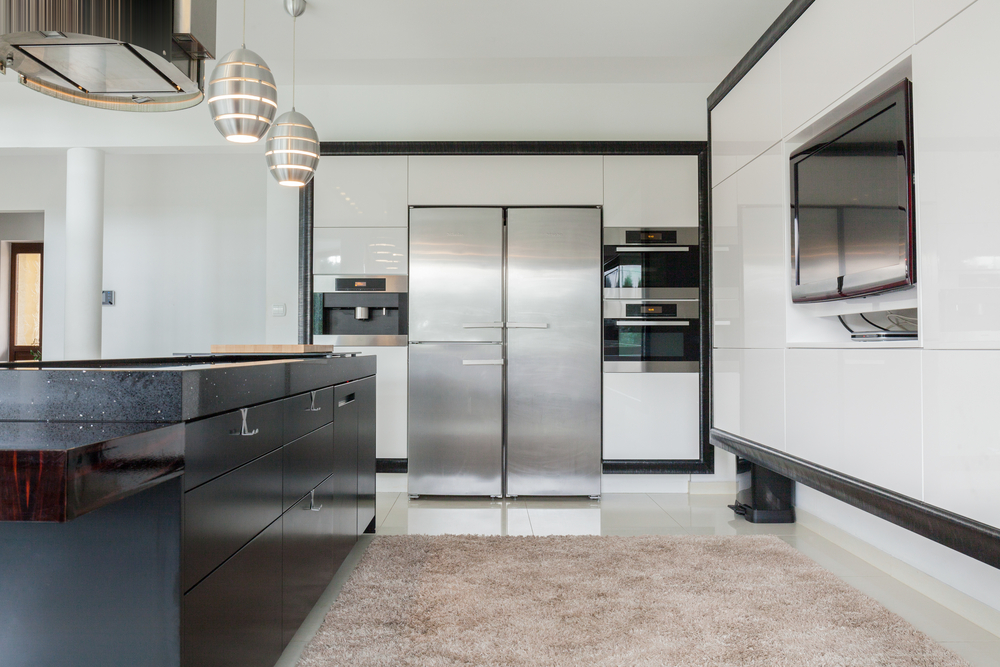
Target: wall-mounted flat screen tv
[(853, 229)]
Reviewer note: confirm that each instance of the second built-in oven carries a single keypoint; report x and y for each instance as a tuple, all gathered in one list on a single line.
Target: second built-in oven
[(661, 263), (651, 336)]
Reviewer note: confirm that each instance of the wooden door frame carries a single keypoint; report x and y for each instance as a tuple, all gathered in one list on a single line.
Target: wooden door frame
[(17, 248)]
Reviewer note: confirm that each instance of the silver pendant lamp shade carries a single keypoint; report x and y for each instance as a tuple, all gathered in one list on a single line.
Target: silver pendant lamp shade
[(242, 96), (292, 149)]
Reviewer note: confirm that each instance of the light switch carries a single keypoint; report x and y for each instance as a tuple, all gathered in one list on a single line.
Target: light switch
[(278, 310)]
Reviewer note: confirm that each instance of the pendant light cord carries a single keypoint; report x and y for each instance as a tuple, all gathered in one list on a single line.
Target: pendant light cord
[(294, 18), (244, 24)]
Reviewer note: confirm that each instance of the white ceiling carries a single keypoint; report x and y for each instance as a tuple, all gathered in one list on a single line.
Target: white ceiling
[(457, 70), (393, 42)]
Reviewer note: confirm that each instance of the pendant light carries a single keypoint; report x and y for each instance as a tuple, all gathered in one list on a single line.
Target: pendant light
[(293, 144), (242, 95)]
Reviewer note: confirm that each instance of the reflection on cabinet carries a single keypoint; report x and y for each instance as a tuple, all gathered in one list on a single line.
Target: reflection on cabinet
[(268, 521)]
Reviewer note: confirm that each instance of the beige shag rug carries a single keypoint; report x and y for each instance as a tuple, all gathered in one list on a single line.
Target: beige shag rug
[(606, 601)]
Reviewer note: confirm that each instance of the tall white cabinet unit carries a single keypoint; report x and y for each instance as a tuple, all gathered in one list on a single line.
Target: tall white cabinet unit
[(360, 217), (651, 416)]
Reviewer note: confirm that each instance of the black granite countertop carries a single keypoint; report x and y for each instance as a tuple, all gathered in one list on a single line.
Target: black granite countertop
[(164, 390)]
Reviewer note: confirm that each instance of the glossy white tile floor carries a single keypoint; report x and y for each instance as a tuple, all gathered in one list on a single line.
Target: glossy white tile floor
[(652, 514)]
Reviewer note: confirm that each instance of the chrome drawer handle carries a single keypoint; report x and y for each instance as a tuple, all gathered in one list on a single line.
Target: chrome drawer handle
[(312, 403), (527, 325), (347, 399), (312, 502), (482, 362), (245, 430), (482, 325)]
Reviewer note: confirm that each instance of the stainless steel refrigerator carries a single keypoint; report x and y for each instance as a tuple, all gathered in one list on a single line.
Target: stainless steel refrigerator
[(505, 352)]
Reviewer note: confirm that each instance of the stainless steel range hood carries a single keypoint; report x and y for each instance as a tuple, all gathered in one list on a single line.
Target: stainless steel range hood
[(130, 55)]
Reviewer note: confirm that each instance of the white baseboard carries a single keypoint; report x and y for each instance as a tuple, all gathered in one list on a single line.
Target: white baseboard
[(968, 607), (390, 482), (645, 483), (713, 488)]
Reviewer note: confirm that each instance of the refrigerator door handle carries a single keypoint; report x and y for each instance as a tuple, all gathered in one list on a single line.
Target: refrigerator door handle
[(652, 249), (482, 362), (647, 323), (482, 325), (527, 325)]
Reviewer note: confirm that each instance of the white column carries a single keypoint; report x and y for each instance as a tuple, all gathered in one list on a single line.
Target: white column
[(84, 252)]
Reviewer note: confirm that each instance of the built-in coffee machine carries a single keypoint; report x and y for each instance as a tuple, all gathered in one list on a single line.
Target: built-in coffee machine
[(360, 310)]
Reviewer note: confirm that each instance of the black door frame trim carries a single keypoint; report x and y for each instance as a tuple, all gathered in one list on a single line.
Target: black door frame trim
[(785, 20), (967, 536), (705, 464)]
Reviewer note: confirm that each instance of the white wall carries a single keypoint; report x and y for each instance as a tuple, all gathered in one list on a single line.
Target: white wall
[(917, 420), (185, 251)]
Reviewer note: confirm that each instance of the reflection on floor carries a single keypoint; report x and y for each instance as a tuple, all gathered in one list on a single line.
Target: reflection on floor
[(653, 514)]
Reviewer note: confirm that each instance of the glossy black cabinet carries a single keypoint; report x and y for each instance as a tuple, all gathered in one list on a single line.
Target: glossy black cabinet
[(294, 469), (307, 412), (219, 444), (365, 392), (223, 515), (308, 564), (345, 469), (233, 618), (307, 462)]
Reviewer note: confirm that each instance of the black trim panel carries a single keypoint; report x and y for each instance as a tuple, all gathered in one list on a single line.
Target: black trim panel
[(390, 465), (972, 538), (328, 148), (661, 467), (705, 464), (785, 20)]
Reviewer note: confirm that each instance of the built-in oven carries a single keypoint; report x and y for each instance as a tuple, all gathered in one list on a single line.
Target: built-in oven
[(643, 336), (651, 263)]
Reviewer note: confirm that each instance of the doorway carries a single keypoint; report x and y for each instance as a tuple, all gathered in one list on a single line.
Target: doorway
[(25, 302)]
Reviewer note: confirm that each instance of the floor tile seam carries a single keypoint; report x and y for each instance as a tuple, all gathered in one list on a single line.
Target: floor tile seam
[(388, 511)]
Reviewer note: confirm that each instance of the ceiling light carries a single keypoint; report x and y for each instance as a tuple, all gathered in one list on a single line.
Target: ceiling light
[(292, 144), (242, 95), (292, 149)]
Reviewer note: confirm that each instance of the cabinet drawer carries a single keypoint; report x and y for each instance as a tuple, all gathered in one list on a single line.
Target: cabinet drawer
[(233, 618), (308, 546), (219, 444), (307, 412), (223, 515), (305, 463)]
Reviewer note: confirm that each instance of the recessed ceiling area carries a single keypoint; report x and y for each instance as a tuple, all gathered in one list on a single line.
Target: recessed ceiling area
[(394, 42)]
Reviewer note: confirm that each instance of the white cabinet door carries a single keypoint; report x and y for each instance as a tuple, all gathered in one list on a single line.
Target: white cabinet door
[(360, 191), (390, 399), (651, 191), (506, 180), (380, 251), (649, 416)]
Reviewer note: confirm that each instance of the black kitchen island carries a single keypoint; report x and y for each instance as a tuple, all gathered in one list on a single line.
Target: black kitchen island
[(179, 511)]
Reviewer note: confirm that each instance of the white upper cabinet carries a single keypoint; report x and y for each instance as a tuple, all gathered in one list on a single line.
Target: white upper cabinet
[(651, 191), (506, 180), (378, 251), (360, 191), (748, 120), (834, 47), (956, 94)]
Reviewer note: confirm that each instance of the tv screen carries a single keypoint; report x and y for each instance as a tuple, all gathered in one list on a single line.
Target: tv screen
[(852, 204)]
